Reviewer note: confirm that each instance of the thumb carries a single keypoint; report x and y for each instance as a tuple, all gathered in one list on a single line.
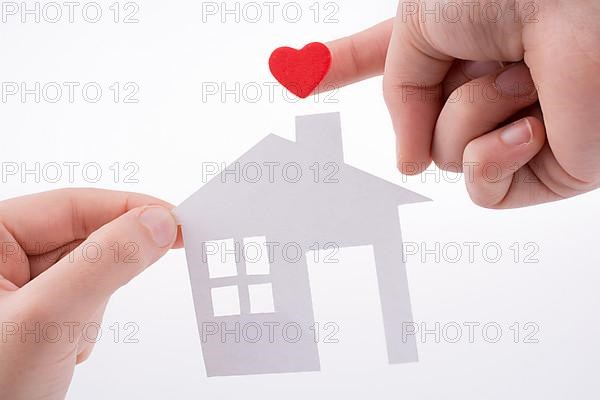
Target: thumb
[(497, 173), (107, 260)]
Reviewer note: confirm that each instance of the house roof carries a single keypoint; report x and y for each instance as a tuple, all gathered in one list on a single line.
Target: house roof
[(320, 161)]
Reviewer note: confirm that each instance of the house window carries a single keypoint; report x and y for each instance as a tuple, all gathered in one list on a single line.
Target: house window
[(240, 277), (221, 261), (226, 301), (261, 298), (256, 256)]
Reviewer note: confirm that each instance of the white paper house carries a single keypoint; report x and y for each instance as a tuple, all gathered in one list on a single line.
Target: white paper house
[(340, 204)]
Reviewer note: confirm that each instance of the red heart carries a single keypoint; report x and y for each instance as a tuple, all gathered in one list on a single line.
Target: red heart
[(301, 71)]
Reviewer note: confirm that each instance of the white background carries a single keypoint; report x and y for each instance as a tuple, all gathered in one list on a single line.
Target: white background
[(169, 54)]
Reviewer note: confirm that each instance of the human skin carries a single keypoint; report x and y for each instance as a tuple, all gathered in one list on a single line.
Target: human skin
[(550, 153), (510, 98), (49, 277)]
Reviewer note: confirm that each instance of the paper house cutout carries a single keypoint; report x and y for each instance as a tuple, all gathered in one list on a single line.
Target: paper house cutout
[(340, 204)]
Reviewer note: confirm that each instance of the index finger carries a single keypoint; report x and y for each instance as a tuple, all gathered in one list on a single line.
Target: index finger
[(357, 57)]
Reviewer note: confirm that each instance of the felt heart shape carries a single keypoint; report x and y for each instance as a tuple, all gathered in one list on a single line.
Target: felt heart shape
[(301, 71)]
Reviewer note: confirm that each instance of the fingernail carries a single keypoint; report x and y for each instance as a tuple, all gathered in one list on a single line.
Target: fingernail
[(517, 133), (515, 81), (477, 69), (160, 223)]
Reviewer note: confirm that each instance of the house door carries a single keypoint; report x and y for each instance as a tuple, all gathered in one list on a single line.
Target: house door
[(347, 308)]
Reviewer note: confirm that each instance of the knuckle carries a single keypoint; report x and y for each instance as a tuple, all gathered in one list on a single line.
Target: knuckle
[(445, 160), (353, 53)]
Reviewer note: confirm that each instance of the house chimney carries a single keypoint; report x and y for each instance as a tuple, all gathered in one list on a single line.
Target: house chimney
[(322, 133)]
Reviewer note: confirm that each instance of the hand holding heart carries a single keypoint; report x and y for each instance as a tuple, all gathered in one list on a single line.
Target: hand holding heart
[(524, 131)]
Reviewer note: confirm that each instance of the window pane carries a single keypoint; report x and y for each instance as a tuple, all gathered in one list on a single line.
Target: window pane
[(220, 256), (256, 256), (261, 298), (225, 300)]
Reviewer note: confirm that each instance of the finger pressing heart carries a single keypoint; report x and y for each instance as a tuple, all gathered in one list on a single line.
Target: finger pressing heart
[(300, 71)]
